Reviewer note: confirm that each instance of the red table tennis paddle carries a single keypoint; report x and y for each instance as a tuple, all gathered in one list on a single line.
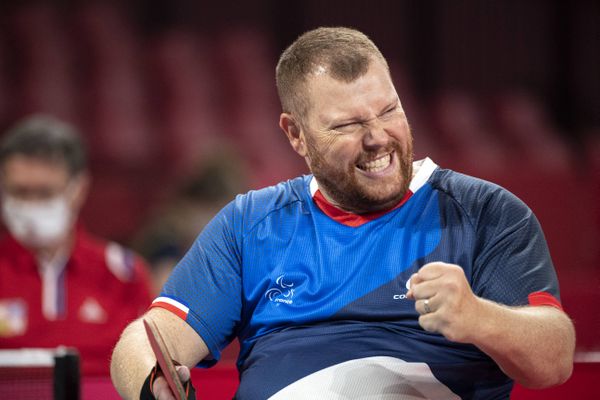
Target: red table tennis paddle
[(164, 359)]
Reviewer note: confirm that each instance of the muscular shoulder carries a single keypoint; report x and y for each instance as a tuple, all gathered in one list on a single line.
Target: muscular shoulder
[(481, 200), (256, 205)]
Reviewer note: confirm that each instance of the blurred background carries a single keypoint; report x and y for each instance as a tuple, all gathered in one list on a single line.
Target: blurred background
[(507, 90)]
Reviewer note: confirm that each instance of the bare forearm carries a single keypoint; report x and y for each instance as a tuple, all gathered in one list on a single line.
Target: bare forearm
[(532, 345), (131, 361), (133, 357)]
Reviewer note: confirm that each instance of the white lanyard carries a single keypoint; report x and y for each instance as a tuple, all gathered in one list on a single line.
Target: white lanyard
[(53, 288)]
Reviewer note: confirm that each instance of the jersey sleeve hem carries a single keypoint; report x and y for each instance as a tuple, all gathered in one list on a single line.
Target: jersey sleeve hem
[(174, 306), (183, 312), (543, 299)]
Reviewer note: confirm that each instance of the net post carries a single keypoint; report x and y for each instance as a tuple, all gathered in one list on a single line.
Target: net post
[(66, 375)]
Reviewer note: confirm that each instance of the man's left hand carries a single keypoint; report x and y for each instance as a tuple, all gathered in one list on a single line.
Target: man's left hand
[(445, 301)]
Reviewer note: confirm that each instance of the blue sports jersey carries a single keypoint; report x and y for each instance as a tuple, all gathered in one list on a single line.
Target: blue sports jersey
[(318, 300)]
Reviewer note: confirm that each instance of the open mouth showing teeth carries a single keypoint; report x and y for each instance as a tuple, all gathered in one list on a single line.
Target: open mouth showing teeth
[(376, 165)]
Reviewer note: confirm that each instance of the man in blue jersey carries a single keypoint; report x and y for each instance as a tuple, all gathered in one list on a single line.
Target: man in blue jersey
[(374, 277)]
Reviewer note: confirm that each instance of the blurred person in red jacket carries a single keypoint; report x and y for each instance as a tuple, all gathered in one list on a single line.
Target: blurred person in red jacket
[(59, 285)]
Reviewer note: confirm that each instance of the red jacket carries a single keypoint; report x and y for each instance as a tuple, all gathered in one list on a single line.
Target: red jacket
[(102, 288)]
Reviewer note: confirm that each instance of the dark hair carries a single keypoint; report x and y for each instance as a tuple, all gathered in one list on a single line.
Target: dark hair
[(345, 53), (47, 138)]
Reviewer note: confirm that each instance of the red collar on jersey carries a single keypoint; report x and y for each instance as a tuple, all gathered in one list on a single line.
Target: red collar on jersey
[(351, 219)]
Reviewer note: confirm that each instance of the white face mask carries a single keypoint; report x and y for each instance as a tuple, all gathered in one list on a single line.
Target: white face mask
[(37, 223)]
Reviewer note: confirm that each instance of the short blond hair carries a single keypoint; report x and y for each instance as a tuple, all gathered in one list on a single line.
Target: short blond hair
[(345, 53)]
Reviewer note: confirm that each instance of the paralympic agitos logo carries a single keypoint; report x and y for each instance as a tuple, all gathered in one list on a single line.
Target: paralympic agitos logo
[(283, 292)]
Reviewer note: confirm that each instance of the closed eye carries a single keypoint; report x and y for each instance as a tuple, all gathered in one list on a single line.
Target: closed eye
[(390, 112), (347, 127)]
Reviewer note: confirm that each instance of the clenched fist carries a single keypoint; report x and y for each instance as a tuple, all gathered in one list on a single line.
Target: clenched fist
[(446, 302)]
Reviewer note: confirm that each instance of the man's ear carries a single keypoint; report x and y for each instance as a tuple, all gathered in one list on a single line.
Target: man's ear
[(294, 133)]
